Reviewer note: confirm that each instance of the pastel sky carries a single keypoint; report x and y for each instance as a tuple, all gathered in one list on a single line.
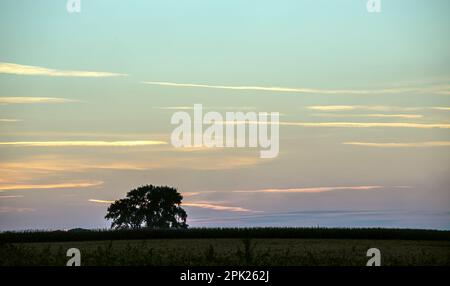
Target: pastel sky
[(86, 100)]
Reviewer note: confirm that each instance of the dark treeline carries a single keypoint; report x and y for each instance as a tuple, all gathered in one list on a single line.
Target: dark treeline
[(265, 232)]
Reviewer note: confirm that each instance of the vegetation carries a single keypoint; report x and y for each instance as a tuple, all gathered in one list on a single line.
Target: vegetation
[(210, 233), (229, 252), (149, 206)]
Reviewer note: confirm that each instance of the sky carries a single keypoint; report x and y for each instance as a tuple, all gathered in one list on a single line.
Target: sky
[(86, 101)]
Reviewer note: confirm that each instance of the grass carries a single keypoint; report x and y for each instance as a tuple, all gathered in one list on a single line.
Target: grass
[(228, 247), (229, 252)]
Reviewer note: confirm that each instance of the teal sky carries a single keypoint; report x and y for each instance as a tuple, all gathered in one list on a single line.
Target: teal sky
[(388, 69)]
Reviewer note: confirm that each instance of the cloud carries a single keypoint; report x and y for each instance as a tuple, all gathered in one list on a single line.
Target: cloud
[(349, 124), (100, 201), (51, 164), (82, 143), (206, 107), (395, 90), (220, 163), (441, 108), (307, 189), (29, 100), (11, 68), (190, 194), (195, 149), (6, 209), (41, 166), (9, 120), (407, 116), (310, 190), (362, 107), (368, 124), (99, 135), (174, 107), (10, 197), (203, 205), (11, 187), (379, 108), (214, 206), (332, 107), (185, 194), (401, 145)]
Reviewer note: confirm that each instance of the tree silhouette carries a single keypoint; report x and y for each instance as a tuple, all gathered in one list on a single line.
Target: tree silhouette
[(149, 206)]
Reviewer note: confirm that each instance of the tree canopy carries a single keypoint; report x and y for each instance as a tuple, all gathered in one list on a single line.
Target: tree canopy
[(148, 206)]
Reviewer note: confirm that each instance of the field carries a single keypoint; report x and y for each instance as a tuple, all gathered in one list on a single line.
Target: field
[(228, 247)]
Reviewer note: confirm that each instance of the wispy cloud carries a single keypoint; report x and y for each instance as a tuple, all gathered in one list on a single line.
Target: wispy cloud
[(206, 107), (215, 206), (349, 124), (441, 108), (98, 135), (189, 194), (11, 187), (220, 163), (306, 190), (380, 108), (369, 124), (11, 68), (174, 107), (394, 90), (82, 143), (6, 209), (11, 197), (203, 205), (30, 100), (39, 167), (62, 164), (310, 190), (374, 115), (401, 145), (332, 107), (185, 194), (100, 201), (9, 120)]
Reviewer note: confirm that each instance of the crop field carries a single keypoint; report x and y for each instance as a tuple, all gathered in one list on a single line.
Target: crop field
[(204, 247)]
